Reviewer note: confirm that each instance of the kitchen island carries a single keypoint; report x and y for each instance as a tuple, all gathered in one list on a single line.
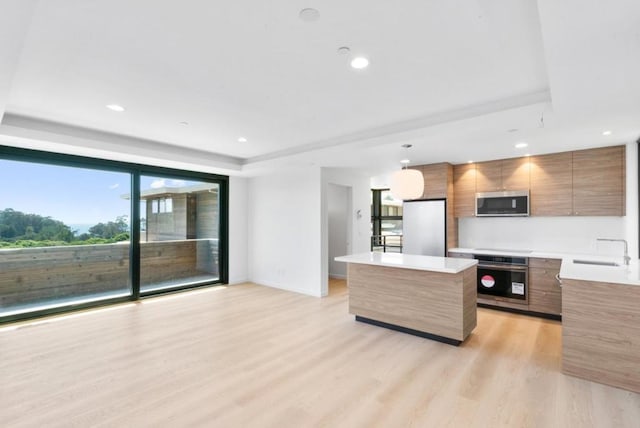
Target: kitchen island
[(433, 297)]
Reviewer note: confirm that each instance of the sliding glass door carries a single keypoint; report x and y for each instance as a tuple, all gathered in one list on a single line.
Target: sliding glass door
[(78, 232), (180, 244), (64, 236)]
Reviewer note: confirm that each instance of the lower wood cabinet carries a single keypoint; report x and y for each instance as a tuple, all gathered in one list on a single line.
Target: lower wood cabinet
[(545, 294), (601, 332)]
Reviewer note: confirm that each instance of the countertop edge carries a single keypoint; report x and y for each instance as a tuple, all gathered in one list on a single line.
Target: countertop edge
[(463, 264), (626, 275)]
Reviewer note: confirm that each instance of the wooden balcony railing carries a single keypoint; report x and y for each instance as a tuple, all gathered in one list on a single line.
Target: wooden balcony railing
[(30, 276)]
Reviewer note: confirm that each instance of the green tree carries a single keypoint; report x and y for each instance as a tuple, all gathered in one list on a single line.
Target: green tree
[(16, 225), (7, 231), (111, 229)]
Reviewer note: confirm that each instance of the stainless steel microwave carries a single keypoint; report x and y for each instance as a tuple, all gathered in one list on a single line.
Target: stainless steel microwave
[(502, 204)]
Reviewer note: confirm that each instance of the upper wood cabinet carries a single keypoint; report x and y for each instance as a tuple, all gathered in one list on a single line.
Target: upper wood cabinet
[(501, 175), (489, 176), (515, 174), (464, 190), (438, 183), (585, 182), (599, 181), (437, 177), (551, 192)]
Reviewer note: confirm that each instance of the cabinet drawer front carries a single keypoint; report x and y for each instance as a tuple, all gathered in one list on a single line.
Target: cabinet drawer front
[(545, 263), (543, 280), (546, 302)]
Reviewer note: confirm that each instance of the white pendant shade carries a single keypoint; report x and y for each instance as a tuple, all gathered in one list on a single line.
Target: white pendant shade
[(407, 184)]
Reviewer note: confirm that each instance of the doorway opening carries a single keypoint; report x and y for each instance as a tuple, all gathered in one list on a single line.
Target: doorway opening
[(339, 207)]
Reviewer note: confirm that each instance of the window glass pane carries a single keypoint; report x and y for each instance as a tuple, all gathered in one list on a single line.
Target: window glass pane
[(64, 236), (390, 205), (143, 217), (391, 227), (386, 221), (180, 244)]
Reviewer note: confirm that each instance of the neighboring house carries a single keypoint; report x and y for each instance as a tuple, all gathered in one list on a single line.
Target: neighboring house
[(177, 213)]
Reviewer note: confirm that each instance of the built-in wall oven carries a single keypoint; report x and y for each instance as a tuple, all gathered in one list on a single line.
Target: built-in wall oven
[(503, 278)]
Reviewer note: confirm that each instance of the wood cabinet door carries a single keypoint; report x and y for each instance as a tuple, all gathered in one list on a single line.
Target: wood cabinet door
[(598, 181), (489, 176), (545, 294), (464, 190), (436, 180), (551, 192), (515, 174), (421, 169)]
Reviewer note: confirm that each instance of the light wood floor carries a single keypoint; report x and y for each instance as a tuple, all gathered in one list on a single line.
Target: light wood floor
[(253, 356)]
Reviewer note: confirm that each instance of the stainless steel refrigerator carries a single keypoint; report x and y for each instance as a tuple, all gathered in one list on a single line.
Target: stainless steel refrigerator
[(424, 227)]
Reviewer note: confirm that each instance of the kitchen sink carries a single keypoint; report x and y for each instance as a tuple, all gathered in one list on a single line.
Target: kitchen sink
[(595, 262)]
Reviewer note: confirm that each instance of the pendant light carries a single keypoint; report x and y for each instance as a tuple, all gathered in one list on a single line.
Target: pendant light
[(407, 183)]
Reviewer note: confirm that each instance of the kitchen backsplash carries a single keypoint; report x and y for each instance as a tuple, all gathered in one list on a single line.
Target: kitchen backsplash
[(562, 234)]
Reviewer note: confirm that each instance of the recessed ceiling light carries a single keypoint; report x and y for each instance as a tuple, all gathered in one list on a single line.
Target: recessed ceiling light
[(605, 133), (184, 123), (343, 50), (309, 14), (359, 62), (115, 107), (521, 145), (512, 130), (242, 140)]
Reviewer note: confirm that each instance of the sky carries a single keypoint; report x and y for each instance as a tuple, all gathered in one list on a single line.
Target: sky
[(71, 195)]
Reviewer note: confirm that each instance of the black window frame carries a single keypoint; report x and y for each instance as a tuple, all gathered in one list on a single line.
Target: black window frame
[(136, 170), (376, 214)]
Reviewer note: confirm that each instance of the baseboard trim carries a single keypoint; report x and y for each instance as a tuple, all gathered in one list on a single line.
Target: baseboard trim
[(411, 331), (521, 312), (285, 288)]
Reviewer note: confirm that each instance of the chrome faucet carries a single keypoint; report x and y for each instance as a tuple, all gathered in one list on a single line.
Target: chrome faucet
[(626, 247)]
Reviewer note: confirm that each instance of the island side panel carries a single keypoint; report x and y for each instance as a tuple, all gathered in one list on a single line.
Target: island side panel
[(470, 300), (601, 332), (431, 302)]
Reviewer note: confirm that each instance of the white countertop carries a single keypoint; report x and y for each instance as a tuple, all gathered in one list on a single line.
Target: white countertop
[(518, 253), (410, 261), (628, 275), (622, 274)]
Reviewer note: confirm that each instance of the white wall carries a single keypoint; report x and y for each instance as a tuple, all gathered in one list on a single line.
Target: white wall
[(339, 218), (238, 236), (14, 26), (359, 182), (564, 234), (284, 230)]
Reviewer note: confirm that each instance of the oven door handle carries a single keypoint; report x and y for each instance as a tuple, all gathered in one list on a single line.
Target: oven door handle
[(502, 267)]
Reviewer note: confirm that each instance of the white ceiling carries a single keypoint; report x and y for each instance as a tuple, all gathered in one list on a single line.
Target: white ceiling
[(450, 77)]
